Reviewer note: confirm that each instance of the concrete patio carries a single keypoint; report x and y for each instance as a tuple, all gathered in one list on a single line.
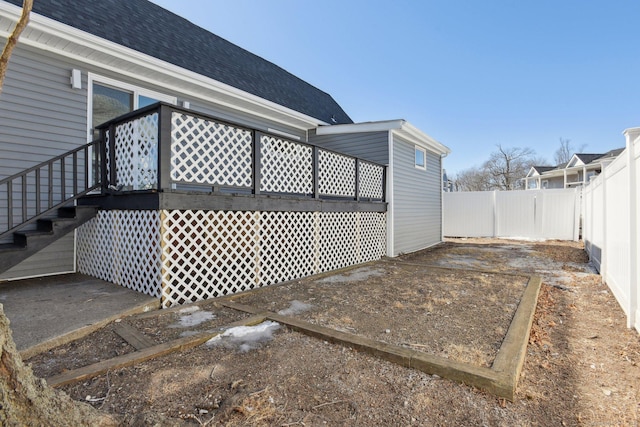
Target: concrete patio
[(50, 311)]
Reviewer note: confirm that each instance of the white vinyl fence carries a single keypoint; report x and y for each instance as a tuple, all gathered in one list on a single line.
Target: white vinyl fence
[(531, 214), (611, 208)]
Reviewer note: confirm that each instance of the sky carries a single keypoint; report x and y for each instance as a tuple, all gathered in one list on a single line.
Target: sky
[(472, 74)]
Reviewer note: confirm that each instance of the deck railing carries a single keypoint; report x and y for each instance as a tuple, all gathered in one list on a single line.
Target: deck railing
[(34, 192), (163, 147)]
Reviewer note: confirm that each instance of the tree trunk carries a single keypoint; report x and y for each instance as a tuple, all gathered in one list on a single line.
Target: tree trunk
[(12, 40), (26, 400)]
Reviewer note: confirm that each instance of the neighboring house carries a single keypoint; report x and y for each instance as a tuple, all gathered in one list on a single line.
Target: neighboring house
[(447, 184), (577, 172), (239, 164)]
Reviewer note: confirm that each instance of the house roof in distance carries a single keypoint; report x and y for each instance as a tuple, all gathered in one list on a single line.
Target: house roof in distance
[(541, 169), (587, 158), (148, 28)]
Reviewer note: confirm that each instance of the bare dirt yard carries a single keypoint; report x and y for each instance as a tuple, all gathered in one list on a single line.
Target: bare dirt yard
[(455, 301)]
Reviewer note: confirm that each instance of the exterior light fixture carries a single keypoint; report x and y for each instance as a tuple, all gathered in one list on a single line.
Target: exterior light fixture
[(76, 79)]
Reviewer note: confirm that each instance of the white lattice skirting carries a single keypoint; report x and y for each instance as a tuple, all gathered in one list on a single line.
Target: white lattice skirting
[(185, 256)]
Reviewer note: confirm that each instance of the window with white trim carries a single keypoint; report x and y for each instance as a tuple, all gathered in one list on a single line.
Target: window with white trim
[(420, 158), (109, 98)]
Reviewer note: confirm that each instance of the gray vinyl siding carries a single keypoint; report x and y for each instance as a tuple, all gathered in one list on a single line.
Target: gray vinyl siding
[(416, 199), (48, 261), (554, 182), (41, 117), (372, 146), (227, 114)]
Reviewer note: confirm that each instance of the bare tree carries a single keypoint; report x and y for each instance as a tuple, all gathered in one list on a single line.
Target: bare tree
[(507, 166), (539, 161), (564, 152), (12, 41), (503, 171), (471, 179)]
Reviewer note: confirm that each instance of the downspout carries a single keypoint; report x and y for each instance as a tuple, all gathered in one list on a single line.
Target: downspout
[(442, 156)]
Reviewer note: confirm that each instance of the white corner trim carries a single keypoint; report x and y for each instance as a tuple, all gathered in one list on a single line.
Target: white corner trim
[(74, 36), (390, 202)]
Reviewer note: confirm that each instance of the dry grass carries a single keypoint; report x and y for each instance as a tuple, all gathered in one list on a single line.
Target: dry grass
[(582, 365)]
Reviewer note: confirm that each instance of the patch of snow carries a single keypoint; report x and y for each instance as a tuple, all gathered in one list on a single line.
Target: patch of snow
[(356, 275), (194, 319), (189, 309), (295, 307), (245, 338)]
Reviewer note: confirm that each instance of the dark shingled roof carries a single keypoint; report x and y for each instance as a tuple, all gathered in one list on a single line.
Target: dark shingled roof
[(587, 158), (150, 29), (584, 157), (613, 153), (541, 169)]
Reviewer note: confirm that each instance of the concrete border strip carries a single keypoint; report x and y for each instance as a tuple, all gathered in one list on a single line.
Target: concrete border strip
[(140, 356), (150, 305)]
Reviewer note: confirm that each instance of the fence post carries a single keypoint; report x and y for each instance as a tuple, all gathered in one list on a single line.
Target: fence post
[(357, 180), (603, 250), (257, 154), (316, 172), (164, 147), (632, 139), (112, 155), (578, 218), (495, 213)]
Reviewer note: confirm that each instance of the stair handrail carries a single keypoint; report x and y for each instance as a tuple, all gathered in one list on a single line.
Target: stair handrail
[(26, 204)]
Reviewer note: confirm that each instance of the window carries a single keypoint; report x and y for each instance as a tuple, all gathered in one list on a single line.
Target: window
[(109, 103), (421, 158), (545, 184), (109, 98)]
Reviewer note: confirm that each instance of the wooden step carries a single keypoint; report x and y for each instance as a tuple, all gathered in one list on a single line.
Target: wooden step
[(29, 242)]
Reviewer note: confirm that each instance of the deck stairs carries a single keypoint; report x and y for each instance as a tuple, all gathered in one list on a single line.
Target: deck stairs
[(47, 231), (37, 204)]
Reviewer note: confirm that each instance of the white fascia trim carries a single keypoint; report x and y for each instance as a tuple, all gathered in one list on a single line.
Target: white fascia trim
[(84, 39), (532, 172), (416, 136), (400, 126), (381, 126), (574, 162)]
